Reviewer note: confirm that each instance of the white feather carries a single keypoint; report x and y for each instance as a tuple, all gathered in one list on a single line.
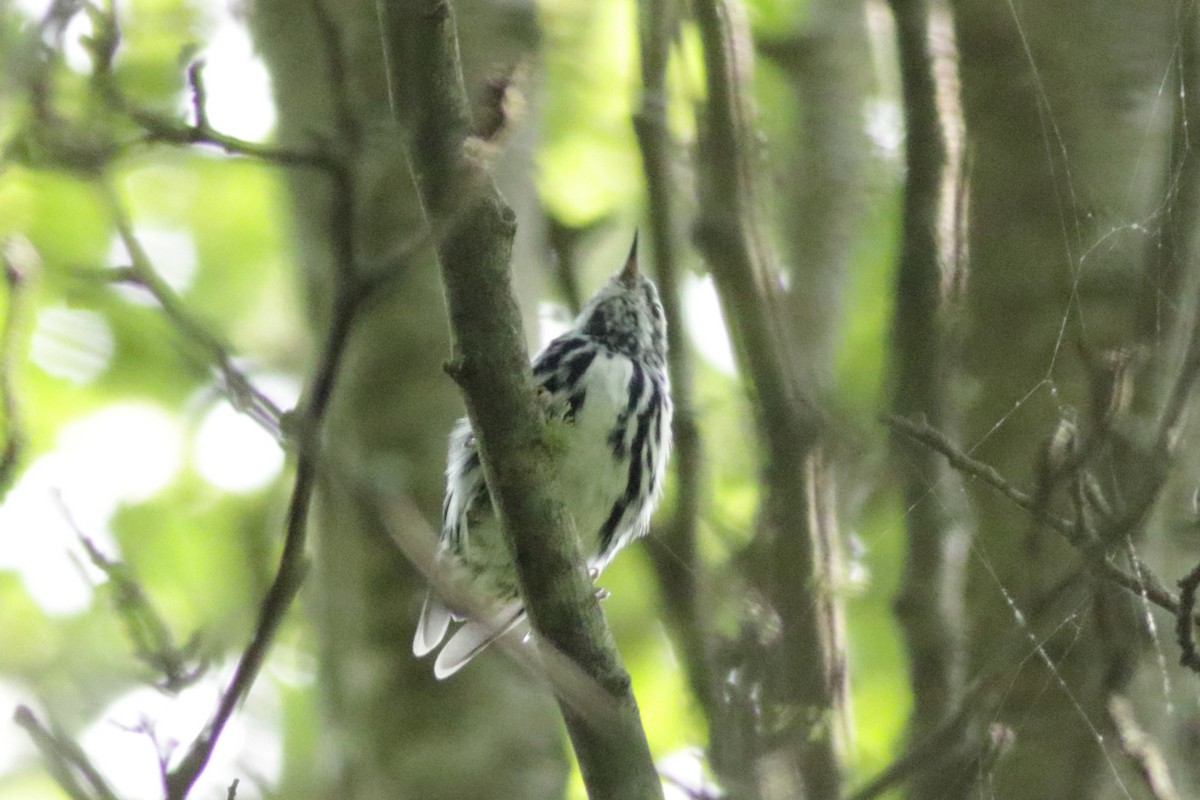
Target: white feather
[(431, 626), (471, 639)]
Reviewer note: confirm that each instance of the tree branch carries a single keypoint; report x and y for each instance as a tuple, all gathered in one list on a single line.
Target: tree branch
[(306, 432), (1144, 584), (491, 366), (929, 604), (799, 675), (68, 763), (673, 551), (303, 428), (240, 391), (161, 129), (149, 633)]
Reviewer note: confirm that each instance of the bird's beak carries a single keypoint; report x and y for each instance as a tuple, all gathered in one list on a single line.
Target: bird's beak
[(629, 274)]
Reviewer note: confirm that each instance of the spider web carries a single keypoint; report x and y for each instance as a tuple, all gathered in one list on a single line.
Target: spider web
[(1165, 696)]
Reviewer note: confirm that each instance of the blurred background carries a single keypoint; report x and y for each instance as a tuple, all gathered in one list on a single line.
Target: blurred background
[(142, 515)]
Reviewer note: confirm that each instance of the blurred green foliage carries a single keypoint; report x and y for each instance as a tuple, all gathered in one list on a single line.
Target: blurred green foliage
[(204, 555)]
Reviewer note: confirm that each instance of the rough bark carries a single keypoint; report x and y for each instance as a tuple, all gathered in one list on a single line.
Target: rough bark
[(393, 730), (1067, 134)]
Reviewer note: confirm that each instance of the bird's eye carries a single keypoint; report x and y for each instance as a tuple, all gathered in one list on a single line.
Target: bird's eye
[(657, 310)]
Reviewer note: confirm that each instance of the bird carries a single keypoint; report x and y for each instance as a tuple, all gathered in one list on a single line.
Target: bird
[(604, 383)]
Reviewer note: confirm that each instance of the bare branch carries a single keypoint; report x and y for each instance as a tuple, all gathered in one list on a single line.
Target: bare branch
[(349, 297), (491, 365), (152, 640), (161, 129), (244, 396), (293, 562), (800, 669), (67, 761), (929, 604), (673, 550), (1145, 584)]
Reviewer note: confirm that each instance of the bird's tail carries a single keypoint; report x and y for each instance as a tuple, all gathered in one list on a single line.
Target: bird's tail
[(466, 642), (473, 637), (431, 626)]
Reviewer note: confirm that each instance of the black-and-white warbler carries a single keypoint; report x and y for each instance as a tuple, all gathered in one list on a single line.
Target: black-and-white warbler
[(605, 382)]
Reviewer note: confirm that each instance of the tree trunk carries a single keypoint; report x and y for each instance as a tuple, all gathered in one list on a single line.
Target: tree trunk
[(394, 731), (1067, 133)]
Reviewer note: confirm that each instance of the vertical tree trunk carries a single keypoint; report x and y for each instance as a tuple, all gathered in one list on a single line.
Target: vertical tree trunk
[(823, 191), (1067, 133), (929, 605), (395, 732)]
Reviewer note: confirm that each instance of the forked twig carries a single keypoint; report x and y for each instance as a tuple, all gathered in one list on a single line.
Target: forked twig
[(1148, 587)]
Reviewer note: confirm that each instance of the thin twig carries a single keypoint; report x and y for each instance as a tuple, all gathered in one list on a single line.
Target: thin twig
[(1149, 588), (161, 129), (293, 562), (151, 636), (305, 432), (673, 552), (66, 759), (348, 301), (20, 263), (241, 392)]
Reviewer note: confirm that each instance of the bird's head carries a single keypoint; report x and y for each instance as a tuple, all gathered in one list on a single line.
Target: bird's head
[(627, 316)]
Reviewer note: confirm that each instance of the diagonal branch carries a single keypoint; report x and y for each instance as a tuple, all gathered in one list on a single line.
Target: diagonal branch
[(67, 760), (1144, 584), (153, 643), (491, 365), (293, 561), (242, 394)]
